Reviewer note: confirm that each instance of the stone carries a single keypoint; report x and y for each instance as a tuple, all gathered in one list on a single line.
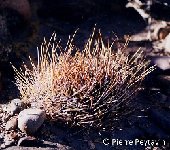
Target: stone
[(163, 32), (5, 40), (14, 106), (1, 136), (5, 117), (10, 138), (166, 43), (21, 6), (29, 120), (17, 102), (12, 123), (8, 143), (160, 30), (27, 141), (12, 109), (162, 62), (1, 109)]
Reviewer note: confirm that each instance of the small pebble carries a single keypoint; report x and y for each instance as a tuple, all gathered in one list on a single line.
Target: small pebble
[(9, 139), (11, 123), (5, 117), (14, 106), (9, 142), (1, 109), (162, 62)]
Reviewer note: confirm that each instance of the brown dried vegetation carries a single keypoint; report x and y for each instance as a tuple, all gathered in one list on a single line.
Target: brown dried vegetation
[(83, 88)]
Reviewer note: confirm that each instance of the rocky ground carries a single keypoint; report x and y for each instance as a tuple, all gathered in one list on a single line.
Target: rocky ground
[(150, 119)]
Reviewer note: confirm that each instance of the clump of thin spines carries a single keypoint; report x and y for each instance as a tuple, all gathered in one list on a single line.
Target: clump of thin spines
[(85, 87)]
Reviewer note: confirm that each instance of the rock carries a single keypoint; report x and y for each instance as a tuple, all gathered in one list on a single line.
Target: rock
[(18, 103), (162, 62), (160, 30), (29, 120), (2, 146), (12, 109), (10, 139), (28, 141), (8, 143), (1, 109), (21, 6), (15, 106), (3, 28), (5, 42), (166, 43), (1, 136), (5, 117), (163, 32), (12, 123)]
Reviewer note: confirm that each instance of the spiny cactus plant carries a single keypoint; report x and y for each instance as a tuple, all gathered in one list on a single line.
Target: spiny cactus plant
[(82, 87)]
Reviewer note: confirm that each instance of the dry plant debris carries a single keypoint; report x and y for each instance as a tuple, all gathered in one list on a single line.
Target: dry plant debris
[(82, 87)]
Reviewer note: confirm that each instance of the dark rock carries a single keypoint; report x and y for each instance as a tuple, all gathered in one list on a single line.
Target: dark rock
[(21, 6), (12, 22), (5, 41), (3, 29)]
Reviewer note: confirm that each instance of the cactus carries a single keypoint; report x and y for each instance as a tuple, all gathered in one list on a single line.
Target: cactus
[(82, 87)]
